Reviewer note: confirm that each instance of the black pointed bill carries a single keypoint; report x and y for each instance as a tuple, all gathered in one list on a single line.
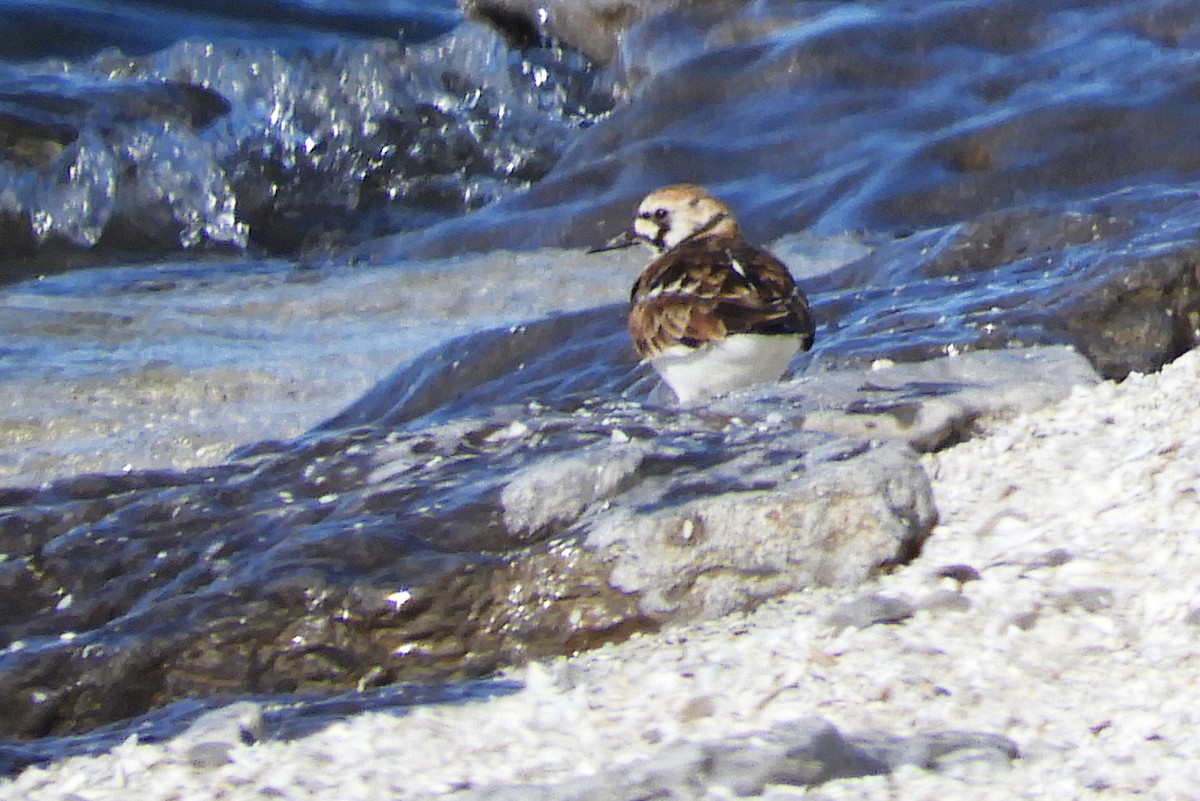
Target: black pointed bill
[(624, 239)]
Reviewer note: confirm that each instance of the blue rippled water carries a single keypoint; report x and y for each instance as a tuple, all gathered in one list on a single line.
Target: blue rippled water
[(35, 29), (133, 131)]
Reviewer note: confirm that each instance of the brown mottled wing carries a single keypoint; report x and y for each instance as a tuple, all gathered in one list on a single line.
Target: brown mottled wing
[(712, 287)]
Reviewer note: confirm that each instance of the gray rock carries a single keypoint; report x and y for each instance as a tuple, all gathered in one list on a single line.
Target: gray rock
[(804, 753), (1089, 599), (801, 753), (559, 489), (941, 750), (944, 601), (239, 723), (590, 26), (869, 610), (931, 404), (206, 743), (796, 516)]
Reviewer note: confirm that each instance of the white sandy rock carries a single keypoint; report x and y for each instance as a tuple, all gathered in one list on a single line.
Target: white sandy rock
[(845, 511)]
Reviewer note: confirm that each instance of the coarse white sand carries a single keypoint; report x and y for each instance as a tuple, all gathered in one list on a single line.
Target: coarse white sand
[(1081, 643)]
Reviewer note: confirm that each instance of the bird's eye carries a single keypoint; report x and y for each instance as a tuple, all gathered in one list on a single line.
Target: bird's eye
[(660, 214)]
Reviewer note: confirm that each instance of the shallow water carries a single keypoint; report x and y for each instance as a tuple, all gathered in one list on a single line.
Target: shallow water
[(175, 365), (284, 717), (38, 29)]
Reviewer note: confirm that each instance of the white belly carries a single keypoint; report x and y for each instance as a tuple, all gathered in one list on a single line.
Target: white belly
[(738, 361)]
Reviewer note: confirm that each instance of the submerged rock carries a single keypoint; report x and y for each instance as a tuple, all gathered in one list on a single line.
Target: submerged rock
[(1116, 277), (366, 556)]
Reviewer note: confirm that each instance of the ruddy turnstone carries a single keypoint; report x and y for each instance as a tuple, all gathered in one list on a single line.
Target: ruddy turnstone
[(711, 312)]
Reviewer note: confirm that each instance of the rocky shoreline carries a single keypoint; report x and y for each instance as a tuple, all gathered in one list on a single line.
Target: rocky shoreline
[(1042, 645), (512, 494), (508, 567)]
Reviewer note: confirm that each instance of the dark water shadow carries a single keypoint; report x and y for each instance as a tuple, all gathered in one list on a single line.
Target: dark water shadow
[(284, 718)]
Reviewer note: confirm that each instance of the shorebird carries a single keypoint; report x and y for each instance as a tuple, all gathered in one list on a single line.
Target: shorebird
[(710, 312)]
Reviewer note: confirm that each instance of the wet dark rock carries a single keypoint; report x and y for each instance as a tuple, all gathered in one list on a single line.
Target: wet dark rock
[(1117, 277), (368, 555), (593, 27), (70, 166), (32, 142), (39, 118)]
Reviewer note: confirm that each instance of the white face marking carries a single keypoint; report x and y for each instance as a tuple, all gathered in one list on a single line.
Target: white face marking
[(648, 231), (669, 216)]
